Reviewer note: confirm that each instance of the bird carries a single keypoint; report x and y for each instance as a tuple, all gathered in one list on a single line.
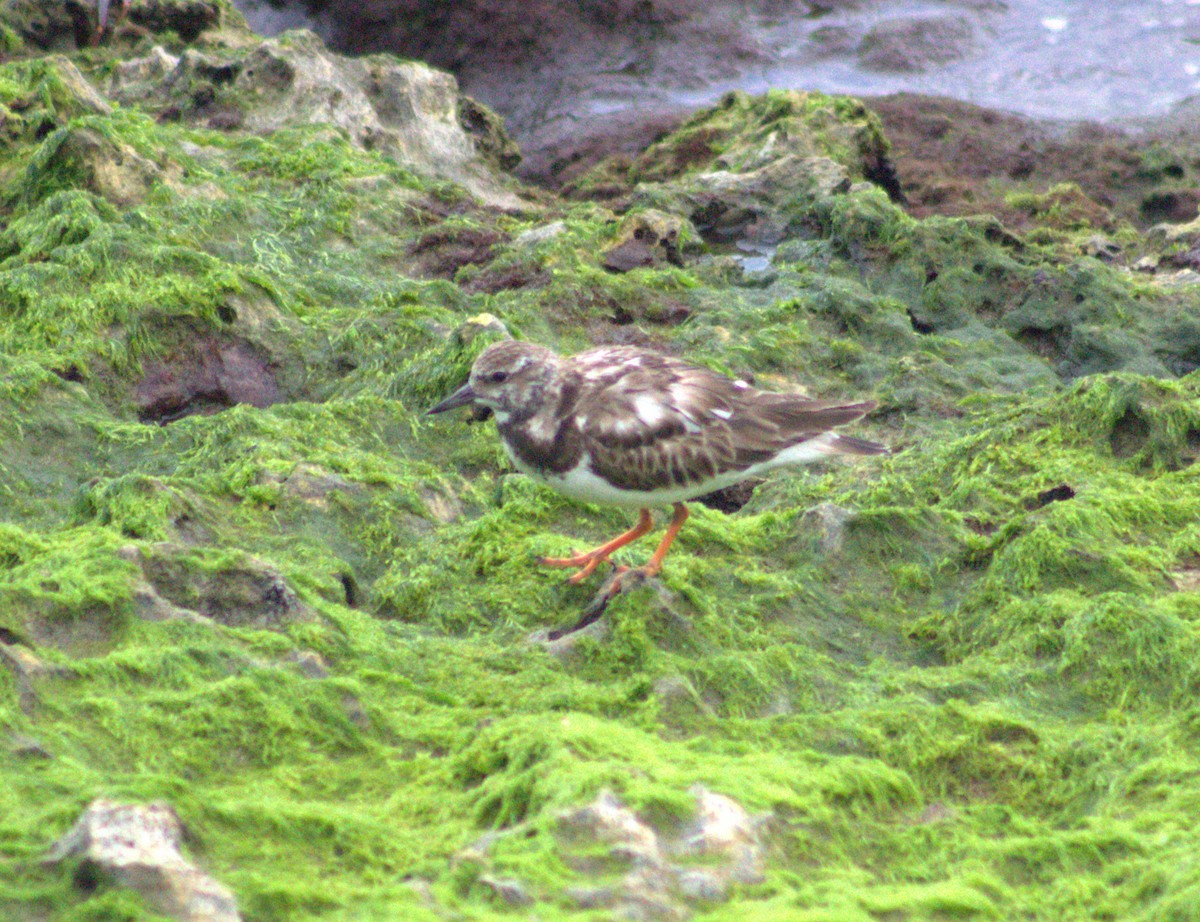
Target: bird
[(632, 427)]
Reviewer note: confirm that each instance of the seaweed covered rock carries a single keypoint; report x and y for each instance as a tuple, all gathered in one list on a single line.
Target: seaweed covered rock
[(83, 158), (43, 95), (743, 133), (231, 589), (647, 238)]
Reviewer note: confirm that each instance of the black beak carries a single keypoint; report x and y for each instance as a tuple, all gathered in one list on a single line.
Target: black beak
[(460, 398)]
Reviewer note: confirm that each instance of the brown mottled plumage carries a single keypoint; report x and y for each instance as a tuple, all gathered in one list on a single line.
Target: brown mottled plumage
[(631, 427)]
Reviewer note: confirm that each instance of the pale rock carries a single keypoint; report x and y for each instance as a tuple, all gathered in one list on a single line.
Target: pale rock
[(138, 846)]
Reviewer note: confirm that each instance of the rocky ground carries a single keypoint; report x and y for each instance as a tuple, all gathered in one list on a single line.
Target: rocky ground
[(273, 643)]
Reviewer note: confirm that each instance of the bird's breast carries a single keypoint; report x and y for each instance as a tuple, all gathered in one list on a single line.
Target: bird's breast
[(542, 446)]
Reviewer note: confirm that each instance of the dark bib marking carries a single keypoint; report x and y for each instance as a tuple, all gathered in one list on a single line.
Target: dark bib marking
[(556, 455)]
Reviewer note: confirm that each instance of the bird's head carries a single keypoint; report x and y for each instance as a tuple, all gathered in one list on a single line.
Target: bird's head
[(508, 378)]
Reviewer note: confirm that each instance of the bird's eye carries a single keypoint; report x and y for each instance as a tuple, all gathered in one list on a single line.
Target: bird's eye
[(498, 376)]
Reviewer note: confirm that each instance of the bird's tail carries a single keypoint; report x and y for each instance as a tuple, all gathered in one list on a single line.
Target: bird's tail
[(849, 445)]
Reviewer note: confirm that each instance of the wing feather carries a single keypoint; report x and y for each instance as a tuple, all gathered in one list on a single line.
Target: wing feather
[(651, 421)]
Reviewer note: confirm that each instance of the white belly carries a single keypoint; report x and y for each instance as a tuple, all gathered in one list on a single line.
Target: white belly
[(583, 485)]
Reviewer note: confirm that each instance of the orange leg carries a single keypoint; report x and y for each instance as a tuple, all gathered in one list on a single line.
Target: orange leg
[(593, 559), (654, 564)]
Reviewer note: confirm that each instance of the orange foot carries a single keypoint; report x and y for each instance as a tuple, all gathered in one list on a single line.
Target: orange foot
[(592, 559)]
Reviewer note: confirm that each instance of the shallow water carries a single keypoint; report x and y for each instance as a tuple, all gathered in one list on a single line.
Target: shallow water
[(1070, 59)]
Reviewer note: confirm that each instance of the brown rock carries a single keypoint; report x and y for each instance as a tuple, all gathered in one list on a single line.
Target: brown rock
[(204, 375)]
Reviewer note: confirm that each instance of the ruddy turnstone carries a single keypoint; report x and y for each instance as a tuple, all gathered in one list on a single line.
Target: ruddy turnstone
[(630, 427)]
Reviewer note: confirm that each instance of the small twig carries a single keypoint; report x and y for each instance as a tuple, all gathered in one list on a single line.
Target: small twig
[(622, 581)]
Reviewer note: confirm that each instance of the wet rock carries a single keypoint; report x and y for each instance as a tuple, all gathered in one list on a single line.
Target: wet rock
[(311, 484), (442, 252), (563, 156), (77, 95), (956, 158), (936, 813), (506, 277), (203, 376), (539, 235), (491, 138), (909, 44), (566, 646), (353, 708), (724, 832), (1185, 577), (749, 208), (138, 846), (18, 657), (310, 663), (189, 19), (1102, 248), (404, 110), (441, 506), (51, 25), (755, 210), (680, 707), (160, 77), (25, 666), (148, 604), (507, 889), (608, 822), (1180, 243), (28, 747)]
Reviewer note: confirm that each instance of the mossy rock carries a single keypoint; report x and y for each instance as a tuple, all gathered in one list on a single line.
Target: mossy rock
[(743, 133)]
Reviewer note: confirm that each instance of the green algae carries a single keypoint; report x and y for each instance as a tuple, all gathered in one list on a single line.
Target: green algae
[(976, 701)]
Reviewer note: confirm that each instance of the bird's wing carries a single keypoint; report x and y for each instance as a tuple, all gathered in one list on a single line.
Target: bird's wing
[(766, 424), (649, 420)]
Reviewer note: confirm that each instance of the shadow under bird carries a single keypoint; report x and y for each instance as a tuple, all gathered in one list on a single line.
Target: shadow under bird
[(625, 426)]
